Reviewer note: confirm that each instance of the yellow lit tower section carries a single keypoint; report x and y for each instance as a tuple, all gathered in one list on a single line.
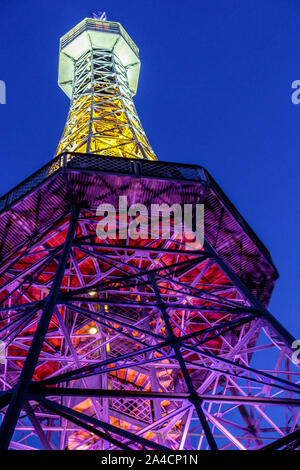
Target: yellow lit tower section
[(98, 70)]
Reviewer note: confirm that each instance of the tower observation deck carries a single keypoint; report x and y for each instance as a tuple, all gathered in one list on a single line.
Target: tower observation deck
[(132, 343)]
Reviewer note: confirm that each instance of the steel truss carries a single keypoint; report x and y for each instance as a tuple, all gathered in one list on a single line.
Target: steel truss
[(183, 356), (133, 344), (102, 117)]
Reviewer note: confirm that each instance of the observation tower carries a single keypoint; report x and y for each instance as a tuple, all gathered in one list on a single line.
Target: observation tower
[(133, 342)]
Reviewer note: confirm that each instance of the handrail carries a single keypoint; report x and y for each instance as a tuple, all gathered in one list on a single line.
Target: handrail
[(109, 164), (96, 25)]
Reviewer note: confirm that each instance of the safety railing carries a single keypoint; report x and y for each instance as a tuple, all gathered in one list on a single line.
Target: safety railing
[(97, 25), (104, 164)]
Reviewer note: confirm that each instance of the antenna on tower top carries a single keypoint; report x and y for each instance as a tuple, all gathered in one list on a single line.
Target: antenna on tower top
[(99, 15)]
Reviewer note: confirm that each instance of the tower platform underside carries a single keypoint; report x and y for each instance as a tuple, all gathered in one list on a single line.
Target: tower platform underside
[(183, 354)]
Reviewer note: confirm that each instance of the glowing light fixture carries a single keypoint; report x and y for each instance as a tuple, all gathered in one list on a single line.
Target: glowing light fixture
[(93, 330)]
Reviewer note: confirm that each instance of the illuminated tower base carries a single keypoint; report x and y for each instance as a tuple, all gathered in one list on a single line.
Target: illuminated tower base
[(134, 344)]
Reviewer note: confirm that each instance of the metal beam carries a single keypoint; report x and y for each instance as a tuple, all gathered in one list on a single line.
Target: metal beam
[(21, 389)]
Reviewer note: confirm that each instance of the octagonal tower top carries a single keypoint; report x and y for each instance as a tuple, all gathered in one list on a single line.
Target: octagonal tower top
[(96, 34)]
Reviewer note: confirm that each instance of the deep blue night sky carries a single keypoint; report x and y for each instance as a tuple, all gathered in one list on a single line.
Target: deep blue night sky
[(215, 90)]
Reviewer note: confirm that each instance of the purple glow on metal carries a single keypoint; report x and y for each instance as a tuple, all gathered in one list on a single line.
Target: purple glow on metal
[(173, 348)]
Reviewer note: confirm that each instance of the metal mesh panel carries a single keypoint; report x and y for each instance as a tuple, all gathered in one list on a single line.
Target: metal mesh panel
[(170, 171), (23, 188), (126, 312), (140, 409), (101, 163), (119, 347)]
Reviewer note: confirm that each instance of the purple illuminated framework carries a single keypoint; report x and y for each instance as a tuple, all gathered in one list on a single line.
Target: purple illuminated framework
[(122, 344)]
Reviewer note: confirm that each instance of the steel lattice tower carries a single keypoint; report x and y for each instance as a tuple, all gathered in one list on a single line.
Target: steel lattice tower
[(133, 344)]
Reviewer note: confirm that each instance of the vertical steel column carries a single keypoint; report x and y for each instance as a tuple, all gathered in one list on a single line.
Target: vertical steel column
[(19, 394), (194, 399)]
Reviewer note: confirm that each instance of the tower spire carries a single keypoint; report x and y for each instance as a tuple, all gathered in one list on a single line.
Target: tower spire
[(99, 69)]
